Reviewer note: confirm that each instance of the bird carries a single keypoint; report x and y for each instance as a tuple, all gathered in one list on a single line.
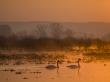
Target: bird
[(75, 66), (53, 66)]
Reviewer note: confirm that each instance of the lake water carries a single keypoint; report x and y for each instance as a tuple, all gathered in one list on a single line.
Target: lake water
[(89, 72)]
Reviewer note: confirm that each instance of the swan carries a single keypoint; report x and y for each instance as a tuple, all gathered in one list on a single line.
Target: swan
[(53, 66), (75, 66)]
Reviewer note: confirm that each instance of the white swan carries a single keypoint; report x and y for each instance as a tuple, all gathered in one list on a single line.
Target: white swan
[(75, 66), (53, 66)]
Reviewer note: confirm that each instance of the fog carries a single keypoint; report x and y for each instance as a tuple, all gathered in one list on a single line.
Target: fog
[(90, 29)]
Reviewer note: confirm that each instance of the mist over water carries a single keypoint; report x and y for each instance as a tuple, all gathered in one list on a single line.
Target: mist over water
[(90, 29)]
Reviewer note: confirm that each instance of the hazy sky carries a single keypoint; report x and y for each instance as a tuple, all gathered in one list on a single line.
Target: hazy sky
[(55, 10)]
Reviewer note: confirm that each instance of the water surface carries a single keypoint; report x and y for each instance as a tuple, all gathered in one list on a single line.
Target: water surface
[(89, 72)]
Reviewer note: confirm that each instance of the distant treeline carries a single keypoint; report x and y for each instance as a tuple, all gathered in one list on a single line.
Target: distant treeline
[(33, 43), (58, 39)]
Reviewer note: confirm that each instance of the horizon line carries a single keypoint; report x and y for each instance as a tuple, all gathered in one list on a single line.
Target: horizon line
[(52, 22)]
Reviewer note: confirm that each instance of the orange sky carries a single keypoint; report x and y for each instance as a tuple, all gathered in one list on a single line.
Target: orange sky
[(55, 10)]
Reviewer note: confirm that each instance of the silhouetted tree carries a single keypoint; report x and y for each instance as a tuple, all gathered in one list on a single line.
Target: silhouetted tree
[(5, 31), (41, 31), (56, 30)]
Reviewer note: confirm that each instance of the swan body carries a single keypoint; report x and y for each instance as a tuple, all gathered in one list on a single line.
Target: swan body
[(53, 66), (75, 66)]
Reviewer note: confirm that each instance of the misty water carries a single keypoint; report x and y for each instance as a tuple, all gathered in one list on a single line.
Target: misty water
[(95, 71)]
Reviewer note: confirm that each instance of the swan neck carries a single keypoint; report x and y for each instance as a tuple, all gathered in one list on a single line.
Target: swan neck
[(78, 64), (57, 65)]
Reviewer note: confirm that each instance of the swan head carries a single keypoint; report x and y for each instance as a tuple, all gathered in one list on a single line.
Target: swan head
[(79, 59), (58, 61)]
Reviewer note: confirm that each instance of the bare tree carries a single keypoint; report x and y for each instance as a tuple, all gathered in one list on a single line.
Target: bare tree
[(5, 30), (56, 30), (69, 33), (41, 31)]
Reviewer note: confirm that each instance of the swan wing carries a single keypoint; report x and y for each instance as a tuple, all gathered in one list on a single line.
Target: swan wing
[(72, 66), (50, 67)]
